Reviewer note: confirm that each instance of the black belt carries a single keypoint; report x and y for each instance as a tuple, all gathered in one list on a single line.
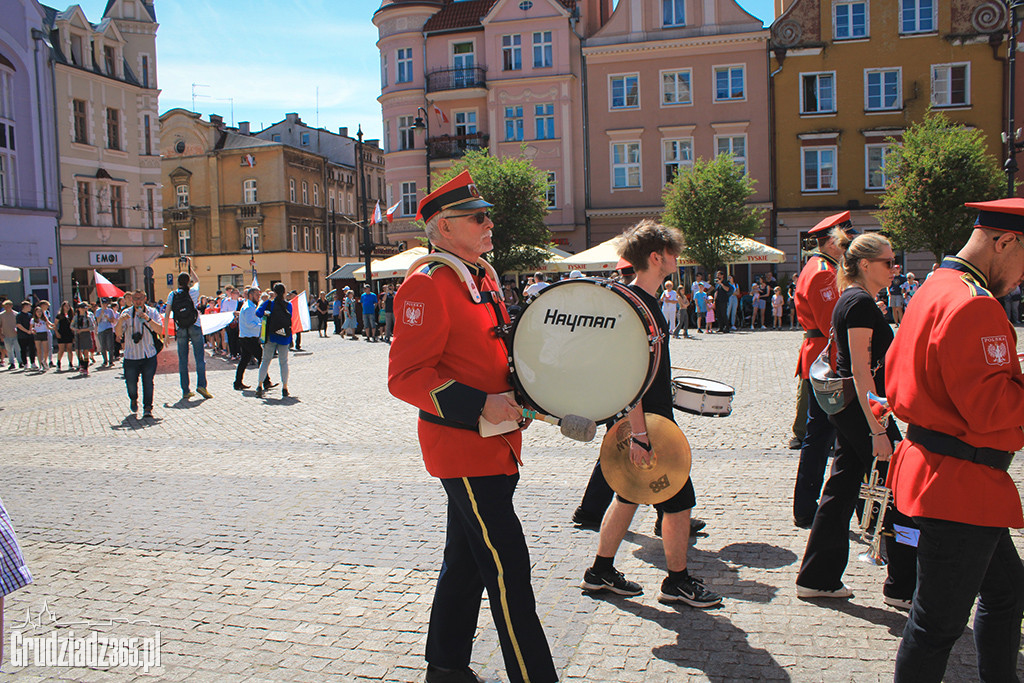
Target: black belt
[(434, 419), (944, 444), (812, 334)]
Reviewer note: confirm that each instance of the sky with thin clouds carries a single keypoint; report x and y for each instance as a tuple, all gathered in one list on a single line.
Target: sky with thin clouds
[(265, 58)]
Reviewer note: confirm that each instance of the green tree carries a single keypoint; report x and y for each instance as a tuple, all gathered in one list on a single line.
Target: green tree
[(708, 203), (939, 166), (518, 190)]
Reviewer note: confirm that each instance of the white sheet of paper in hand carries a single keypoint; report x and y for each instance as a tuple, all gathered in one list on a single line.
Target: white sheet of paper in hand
[(488, 429)]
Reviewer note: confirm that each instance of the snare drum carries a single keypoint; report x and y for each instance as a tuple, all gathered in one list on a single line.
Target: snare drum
[(587, 347), (699, 396)]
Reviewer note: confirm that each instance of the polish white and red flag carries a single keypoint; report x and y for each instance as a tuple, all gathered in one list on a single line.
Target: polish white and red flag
[(105, 288), (300, 313), (441, 117), (390, 213), (377, 218)]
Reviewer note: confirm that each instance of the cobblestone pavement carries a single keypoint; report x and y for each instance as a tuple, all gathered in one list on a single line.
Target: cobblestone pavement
[(299, 539)]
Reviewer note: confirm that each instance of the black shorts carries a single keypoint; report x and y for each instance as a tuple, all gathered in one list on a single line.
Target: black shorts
[(40, 336), (685, 500)]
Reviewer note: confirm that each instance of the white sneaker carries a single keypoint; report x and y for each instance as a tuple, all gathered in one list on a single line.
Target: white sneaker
[(841, 592), (897, 603)]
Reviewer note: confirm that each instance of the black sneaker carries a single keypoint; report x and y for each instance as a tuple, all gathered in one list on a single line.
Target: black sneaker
[(134, 406), (696, 526), (610, 580), (436, 674), (586, 520), (689, 590)]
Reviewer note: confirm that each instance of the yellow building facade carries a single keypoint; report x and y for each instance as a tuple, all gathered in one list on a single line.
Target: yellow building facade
[(846, 76)]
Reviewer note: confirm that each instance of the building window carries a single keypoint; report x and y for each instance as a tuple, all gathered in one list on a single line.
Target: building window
[(84, 204), (673, 13), (729, 83), (818, 94), (463, 60), (305, 139), (145, 71), (252, 239), (305, 238), (316, 194), (409, 199), (542, 49), (6, 94), (675, 87), (951, 85), (874, 166), (182, 192), (625, 165), (117, 206), (465, 123), (147, 135), (404, 65), (275, 137), (625, 92), (113, 129), (513, 124), (552, 192), (109, 60), (305, 193), (736, 145), (150, 208), (676, 154), (295, 238), (851, 20), (384, 71), (6, 191), (544, 117), (406, 139), (512, 52), (81, 122), (330, 201), (882, 89), (76, 50), (184, 243), (291, 190), (249, 191), (317, 241), (819, 169), (917, 16)]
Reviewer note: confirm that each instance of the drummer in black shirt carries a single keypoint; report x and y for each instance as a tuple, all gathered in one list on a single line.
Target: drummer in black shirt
[(652, 248)]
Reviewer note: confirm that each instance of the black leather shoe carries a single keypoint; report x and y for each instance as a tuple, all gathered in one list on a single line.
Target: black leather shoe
[(586, 520), (803, 522), (240, 386), (436, 674), (269, 385)]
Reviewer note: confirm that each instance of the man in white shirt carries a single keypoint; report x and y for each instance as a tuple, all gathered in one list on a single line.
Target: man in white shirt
[(539, 285), (138, 327)]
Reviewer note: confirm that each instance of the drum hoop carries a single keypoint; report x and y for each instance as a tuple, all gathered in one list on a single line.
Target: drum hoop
[(653, 345), (676, 381)]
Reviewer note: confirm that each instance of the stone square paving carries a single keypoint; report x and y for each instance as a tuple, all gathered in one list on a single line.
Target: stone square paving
[(299, 539)]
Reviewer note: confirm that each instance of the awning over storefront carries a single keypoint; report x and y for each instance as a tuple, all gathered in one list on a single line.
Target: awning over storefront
[(9, 274), (605, 256), (345, 272), (391, 267)]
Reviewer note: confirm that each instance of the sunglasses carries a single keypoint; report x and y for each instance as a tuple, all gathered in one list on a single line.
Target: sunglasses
[(889, 263), (480, 216)]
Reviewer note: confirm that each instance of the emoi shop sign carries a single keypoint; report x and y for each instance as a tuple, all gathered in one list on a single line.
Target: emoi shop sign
[(106, 258)]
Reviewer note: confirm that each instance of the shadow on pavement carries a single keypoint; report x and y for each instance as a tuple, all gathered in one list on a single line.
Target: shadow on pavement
[(134, 424)]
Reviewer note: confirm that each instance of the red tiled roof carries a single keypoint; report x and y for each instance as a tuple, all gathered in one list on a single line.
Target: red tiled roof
[(466, 14)]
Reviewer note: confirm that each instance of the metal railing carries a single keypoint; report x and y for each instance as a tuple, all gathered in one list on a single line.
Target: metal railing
[(456, 79), (248, 211), (455, 146)]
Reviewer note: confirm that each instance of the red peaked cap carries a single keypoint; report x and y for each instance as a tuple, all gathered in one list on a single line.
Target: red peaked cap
[(458, 193), (1001, 214), (836, 220)]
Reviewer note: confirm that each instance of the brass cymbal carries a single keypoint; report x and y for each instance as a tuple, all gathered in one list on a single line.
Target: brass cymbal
[(669, 469)]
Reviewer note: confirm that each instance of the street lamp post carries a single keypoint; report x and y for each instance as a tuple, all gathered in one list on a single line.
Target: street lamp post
[(1016, 9), (361, 189), (423, 122)]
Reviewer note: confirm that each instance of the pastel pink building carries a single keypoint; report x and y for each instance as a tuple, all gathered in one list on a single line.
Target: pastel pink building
[(664, 81)]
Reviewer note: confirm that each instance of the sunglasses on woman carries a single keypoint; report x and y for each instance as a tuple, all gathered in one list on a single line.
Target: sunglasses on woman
[(480, 216), (889, 262)]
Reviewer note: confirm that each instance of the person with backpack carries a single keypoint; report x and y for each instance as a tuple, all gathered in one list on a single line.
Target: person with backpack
[(277, 338), (183, 304)]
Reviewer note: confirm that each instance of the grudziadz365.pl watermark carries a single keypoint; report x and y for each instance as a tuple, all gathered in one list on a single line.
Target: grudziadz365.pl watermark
[(94, 650)]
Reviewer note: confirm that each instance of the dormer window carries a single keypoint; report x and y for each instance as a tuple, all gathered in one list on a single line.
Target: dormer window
[(76, 50), (109, 60)]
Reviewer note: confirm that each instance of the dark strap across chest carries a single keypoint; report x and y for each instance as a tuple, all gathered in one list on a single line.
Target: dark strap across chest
[(944, 444)]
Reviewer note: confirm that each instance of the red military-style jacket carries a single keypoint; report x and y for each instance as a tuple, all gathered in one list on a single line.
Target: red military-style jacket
[(815, 298), (445, 359), (953, 368)]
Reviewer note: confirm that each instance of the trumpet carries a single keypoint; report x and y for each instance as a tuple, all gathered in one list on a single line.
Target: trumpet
[(877, 499)]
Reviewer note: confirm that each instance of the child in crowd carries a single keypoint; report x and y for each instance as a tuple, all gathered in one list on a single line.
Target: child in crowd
[(711, 314), (701, 300), (777, 302)]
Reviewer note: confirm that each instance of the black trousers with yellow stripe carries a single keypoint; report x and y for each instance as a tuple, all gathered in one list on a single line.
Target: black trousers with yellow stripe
[(486, 549)]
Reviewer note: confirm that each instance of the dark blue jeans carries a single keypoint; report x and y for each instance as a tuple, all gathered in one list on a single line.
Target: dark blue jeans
[(132, 369), (193, 334), (955, 564), (486, 549), (818, 443)]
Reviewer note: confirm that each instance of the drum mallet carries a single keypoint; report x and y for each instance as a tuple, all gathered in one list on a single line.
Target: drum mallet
[(572, 426)]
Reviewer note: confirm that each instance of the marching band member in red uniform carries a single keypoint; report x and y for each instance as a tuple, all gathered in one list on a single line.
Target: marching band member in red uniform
[(447, 361), (953, 377), (815, 298)]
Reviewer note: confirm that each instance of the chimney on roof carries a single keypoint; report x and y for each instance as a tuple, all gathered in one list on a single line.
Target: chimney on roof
[(217, 120), (373, 143), (293, 118), (243, 128), (343, 131)]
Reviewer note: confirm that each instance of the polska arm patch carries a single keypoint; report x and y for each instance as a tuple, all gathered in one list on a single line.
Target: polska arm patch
[(997, 350), (413, 313)]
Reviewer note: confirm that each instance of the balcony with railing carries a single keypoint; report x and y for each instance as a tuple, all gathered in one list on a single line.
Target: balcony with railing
[(249, 211), (455, 146), (457, 79), (180, 215)]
